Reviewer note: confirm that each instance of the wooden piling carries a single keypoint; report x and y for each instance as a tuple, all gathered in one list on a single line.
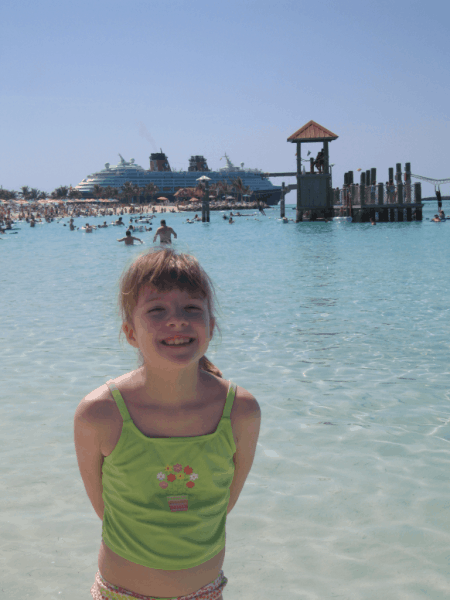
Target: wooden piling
[(368, 179), (362, 195), (311, 165), (400, 191), (383, 215), (398, 173), (203, 209), (326, 158), (380, 194), (282, 207), (418, 200), (407, 182), (299, 212), (362, 179), (391, 174), (205, 204), (373, 175)]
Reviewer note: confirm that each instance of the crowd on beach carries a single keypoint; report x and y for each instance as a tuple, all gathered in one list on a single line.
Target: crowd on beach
[(34, 213), (38, 213)]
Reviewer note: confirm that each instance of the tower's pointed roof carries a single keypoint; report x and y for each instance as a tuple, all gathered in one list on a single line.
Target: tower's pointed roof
[(312, 132)]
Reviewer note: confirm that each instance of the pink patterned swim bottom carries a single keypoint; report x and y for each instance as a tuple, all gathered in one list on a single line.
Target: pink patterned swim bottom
[(103, 590)]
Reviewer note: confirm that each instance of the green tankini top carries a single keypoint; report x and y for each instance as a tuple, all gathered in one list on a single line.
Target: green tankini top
[(166, 499)]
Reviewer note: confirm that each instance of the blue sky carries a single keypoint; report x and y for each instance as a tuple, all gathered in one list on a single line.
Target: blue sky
[(83, 81)]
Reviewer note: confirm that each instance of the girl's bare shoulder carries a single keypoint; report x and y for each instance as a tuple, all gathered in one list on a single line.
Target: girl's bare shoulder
[(245, 404), (98, 406)]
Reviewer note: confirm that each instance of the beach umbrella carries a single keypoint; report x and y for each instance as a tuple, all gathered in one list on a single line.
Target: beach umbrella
[(162, 198)]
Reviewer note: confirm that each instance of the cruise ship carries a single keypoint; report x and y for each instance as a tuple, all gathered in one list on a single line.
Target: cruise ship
[(169, 181)]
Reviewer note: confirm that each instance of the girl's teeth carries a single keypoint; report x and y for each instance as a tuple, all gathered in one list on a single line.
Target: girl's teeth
[(177, 342)]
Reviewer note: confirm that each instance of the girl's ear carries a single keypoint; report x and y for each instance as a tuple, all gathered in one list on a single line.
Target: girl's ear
[(129, 334)]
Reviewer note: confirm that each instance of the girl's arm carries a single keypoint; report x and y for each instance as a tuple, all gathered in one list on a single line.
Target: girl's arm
[(247, 428), (88, 439)]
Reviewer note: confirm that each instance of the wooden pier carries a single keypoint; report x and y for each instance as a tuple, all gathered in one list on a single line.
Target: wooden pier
[(368, 200), (387, 202)]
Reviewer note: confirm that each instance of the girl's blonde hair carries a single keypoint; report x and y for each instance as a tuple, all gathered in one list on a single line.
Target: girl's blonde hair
[(165, 270)]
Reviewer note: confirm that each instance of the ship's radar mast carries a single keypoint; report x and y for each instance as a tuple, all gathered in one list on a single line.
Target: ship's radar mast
[(229, 163)]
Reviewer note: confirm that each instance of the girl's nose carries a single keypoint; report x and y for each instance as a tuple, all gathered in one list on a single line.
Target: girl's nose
[(177, 316)]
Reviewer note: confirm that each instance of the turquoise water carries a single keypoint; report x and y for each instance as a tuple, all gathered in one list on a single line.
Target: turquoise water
[(341, 332)]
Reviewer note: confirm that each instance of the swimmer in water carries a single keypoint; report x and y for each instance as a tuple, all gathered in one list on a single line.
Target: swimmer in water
[(129, 239), (164, 233)]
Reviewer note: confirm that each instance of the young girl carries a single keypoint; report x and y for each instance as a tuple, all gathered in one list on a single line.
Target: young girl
[(164, 451)]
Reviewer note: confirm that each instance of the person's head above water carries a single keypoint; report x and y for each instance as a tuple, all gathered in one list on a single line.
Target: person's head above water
[(163, 222), (166, 270), (127, 232)]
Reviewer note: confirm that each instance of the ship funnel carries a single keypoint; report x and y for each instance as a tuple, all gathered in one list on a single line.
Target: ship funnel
[(159, 162), (198, 163)]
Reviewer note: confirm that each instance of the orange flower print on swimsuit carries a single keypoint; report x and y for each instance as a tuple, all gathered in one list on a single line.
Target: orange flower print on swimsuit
[(175, 479)]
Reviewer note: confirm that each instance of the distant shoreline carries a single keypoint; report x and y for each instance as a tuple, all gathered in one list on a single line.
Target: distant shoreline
[(434, 199)]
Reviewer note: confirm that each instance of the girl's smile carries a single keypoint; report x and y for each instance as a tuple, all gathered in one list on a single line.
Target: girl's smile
[(177, 341)]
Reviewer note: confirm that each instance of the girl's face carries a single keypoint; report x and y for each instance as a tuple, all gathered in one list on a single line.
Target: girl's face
[(162, 318)]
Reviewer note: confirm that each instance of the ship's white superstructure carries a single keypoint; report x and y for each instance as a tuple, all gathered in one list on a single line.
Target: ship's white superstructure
[(168, 181)]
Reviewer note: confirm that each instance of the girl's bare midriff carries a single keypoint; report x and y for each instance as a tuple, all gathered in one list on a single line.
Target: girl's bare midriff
[(202, 420), (156, 582)]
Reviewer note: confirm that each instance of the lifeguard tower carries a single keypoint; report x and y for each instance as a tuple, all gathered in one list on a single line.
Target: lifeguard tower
[(314, 197)]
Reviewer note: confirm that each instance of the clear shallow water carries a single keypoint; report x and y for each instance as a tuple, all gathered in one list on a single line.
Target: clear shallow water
[(341, 331)]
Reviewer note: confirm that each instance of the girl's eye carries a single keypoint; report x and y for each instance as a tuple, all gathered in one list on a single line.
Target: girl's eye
[(187, 308)]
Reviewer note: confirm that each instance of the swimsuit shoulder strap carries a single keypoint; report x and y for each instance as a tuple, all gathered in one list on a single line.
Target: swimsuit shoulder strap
[(119, 400), (230, 399)]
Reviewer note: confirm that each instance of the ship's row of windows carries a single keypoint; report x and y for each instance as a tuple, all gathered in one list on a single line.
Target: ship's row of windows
[(173, 184), (160, 184), (116, 180)]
